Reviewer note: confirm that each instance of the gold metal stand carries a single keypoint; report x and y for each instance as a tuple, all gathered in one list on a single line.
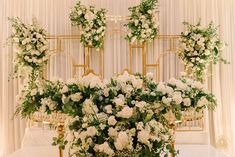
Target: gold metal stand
[(87, 63), (60, 130), (173, 127), (141, 46)]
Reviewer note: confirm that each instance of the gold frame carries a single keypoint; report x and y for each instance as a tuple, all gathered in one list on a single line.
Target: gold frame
[(142, 46), (87, 63)]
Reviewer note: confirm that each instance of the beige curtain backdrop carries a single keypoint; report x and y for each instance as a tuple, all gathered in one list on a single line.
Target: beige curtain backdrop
[(53, 15)]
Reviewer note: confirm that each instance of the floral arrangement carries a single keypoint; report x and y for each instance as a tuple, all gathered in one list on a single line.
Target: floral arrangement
[(31, 47), (111, 120), (92, 22), (199, 47), (44, 96), (121, 116), (142, 25), (125, 115)]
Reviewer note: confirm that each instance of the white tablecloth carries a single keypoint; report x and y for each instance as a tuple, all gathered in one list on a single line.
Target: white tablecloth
[(185, 151), (38, 137)]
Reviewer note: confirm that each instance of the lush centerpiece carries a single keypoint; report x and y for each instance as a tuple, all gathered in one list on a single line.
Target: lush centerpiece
[(92, 22), (199, 47), (125, 115), (142, 25), (31, 48), (121, 116), (116, 118)]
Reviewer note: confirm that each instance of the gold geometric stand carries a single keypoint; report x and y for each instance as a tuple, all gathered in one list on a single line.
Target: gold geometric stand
[(87, 63)]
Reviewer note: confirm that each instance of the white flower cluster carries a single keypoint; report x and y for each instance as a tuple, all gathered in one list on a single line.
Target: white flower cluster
[(116, 124), (198, 48), (31, 47), (92, 22), (142, 25), (122, 114)]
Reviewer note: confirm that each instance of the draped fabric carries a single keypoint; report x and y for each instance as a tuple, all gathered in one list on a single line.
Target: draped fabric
[(53, 15)]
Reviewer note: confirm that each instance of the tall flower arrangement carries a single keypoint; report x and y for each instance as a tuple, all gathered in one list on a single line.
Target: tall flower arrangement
[(142, 25), (92, 22), (31, 48), (199, 47)]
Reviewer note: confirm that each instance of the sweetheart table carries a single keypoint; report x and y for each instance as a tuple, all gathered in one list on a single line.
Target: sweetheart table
[(185, 151), (37, 143)]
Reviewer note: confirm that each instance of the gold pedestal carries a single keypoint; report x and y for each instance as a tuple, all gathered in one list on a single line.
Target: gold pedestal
[(141, 46), (60, 130), (87, 64)]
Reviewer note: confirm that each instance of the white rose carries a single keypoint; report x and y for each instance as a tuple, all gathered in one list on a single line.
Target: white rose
[(112, 132), (102, 126), (89, 108), (187, 102), (126, 112), (81, 135), (91, 131), (33, 92), (169, 90), (105, 148), (166, 101), (119, 101), (137, 83), (76, 97), (118, 145), (143, 137), (161, 87), (16, 40), (112, 120), (140, 126), (108, 109), (65, 89), (70, 137), (177, 97), (141, 104), (106, 92), (122, 141), (202, 102)]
